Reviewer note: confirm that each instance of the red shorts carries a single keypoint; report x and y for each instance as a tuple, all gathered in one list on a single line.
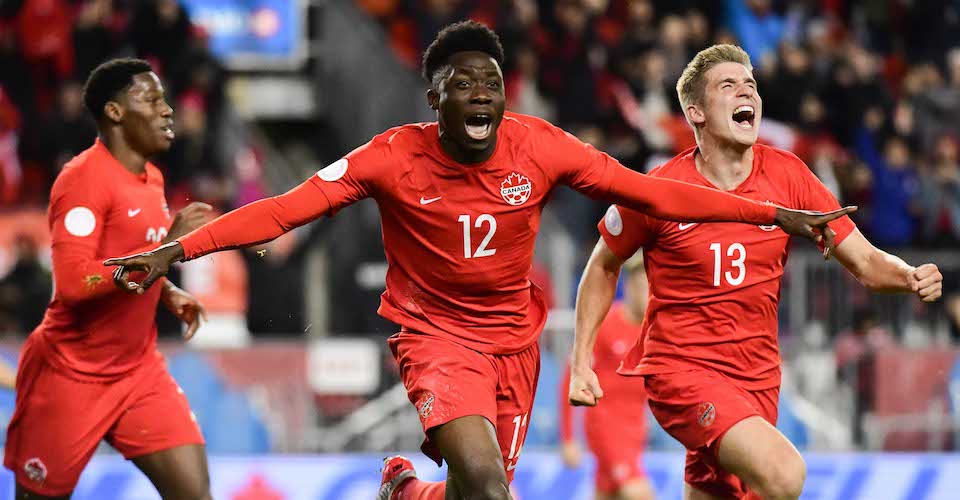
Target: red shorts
[(59, 421), (697, 407), (617, 441), (446, 381)]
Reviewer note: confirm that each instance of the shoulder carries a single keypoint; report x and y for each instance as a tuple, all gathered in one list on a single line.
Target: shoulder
[(83, 170), (677, 167), (779, 160), (409, 137), (519, 126)]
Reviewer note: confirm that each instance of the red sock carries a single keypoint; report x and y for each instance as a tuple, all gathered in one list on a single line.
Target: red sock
[(415, 489)]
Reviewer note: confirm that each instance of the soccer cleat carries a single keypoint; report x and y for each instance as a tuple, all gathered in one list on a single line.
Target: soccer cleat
[(396, 470)]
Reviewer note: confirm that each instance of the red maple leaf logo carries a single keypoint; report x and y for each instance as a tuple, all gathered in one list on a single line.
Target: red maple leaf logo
[(515, 189), (258, 488)]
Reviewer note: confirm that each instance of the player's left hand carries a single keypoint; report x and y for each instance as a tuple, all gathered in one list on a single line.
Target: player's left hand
[(927, 282), (184, 306)]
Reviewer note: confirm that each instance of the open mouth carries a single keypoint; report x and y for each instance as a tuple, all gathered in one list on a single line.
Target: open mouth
[(744, 116), (168, 132), (479, 126)]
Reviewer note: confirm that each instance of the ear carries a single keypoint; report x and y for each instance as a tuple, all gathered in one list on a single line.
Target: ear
[(433, 99), (696, 115), (113, 111)]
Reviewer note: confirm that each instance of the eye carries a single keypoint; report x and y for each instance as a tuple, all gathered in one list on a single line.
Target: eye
[(726, 85), (463, 84), (493, 84)]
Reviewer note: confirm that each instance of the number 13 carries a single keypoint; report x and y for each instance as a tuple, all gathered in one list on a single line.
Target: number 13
[(737, 263)]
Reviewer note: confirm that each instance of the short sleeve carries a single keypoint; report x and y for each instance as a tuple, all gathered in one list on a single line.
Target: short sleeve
[(79, 206), (813, 195), (572, 162), (625, 231), (360, 174)]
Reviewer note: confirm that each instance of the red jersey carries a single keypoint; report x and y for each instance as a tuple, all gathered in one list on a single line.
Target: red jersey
[(624, 398), (459, 239), (99, 209), (714, 287)]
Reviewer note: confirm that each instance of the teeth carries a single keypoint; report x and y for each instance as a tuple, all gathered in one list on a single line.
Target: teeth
[(743, 108), (478, 132)]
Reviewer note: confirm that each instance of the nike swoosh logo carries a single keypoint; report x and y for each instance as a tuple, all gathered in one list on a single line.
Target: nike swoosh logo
[(131, 213), (687, 225), (424, 201)]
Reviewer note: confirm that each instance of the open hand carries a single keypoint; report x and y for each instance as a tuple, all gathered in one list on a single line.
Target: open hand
[(811, 225), (156, 263), (186, 307)]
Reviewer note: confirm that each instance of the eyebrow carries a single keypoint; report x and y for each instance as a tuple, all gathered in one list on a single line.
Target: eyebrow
[(734, 80)]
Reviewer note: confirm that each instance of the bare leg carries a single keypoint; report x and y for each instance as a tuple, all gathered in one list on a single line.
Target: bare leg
[(475, 462), (762, 457), (178, 473)]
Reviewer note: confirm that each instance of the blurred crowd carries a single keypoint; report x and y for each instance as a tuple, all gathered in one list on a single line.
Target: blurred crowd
[(47, 50), (866, 92)]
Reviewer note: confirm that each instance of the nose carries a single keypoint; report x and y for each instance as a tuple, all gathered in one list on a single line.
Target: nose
[(166, 111), (481, 95), (746, 90)]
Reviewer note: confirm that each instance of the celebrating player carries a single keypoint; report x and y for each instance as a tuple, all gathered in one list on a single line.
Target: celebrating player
[(616, 431), (710, 359), (91, 370), (460, 201)]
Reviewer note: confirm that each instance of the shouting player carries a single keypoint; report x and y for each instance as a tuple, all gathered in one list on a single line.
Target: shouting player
[(710, 359), (616, 431), (91, 370), (460, 201)]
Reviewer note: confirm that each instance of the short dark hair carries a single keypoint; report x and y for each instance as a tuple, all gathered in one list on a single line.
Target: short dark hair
[(460, 37), (108, 79)]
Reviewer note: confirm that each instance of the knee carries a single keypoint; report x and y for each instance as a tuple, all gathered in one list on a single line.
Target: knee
[(784, 479), (485, 483)]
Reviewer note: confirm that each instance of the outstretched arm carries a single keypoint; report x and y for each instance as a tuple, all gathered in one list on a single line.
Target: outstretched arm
[(251, 224), (598, 286), (678, 201), (880, 271)]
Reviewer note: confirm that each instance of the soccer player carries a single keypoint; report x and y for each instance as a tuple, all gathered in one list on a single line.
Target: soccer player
[(91, 370), (710, 361), (460, 202), (616, 431)]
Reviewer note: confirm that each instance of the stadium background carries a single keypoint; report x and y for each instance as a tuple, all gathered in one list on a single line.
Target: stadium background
[(291, 380)]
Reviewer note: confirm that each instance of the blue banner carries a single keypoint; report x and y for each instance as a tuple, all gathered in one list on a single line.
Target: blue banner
[(252, 33), (540, 475)]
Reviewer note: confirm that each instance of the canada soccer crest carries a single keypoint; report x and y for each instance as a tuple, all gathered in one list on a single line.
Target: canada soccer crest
[(516, 189), (706, 414), (35, 470)]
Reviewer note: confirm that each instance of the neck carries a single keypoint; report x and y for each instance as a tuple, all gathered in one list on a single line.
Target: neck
[(466, 156), (726, 166), (130, 158)]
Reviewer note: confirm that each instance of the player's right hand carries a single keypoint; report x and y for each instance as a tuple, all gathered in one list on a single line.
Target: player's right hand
[(191, 217), (156, 263), (571, 455), (584, 388)]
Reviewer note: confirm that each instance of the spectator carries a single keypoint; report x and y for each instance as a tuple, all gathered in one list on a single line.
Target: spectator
[(855, 354), (895, 184), (941, 194), (757, 26), (25, 291)]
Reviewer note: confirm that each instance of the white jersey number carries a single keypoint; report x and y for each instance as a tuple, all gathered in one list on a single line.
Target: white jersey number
[(737, 262), (482, 250)]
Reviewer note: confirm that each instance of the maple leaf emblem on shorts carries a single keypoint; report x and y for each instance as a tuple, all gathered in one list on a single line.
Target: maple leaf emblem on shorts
[(707, 413), (425, 406), (91, 281), (516, 189)]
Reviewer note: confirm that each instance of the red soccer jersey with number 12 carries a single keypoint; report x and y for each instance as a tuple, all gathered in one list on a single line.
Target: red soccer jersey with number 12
[(714, 287), (459, 239)]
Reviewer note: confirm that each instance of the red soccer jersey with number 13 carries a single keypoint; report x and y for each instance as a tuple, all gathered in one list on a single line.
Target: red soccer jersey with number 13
[(714, 287)]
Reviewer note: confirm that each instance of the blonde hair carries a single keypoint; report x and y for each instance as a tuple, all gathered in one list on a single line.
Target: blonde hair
[(693, 82)]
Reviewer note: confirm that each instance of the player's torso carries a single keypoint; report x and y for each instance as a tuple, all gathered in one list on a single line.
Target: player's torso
[(138, 216), (616, 337), (470, 226)]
